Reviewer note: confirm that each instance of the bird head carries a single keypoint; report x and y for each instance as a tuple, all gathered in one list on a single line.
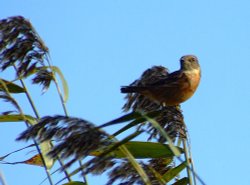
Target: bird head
[(189, 62)]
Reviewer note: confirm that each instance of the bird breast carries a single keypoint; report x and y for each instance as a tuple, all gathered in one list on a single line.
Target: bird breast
[(193, 80)]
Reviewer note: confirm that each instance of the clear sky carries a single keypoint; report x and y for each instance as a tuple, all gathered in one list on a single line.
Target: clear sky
[(101, 45)]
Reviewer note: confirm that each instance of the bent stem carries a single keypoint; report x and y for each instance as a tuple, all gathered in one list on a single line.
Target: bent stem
[(63, 103), (187, 149), (2, 180), (190, 166), (36, 144), (27, 124), (189, 173)]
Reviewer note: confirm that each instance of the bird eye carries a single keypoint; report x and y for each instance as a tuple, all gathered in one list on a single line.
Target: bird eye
[(192, 60)]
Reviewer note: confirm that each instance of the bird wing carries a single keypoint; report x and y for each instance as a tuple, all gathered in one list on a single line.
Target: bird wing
[(176, 79), (173, 80)]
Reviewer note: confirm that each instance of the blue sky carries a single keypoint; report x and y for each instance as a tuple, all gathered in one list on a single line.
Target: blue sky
[(101, 45)]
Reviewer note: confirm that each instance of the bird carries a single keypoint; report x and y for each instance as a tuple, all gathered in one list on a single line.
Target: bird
[(175, 88)]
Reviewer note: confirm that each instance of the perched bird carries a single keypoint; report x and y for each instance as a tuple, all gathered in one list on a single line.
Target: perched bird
[(175, 88)]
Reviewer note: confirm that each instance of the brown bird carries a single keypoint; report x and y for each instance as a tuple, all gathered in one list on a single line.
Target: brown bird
[(176, 87)]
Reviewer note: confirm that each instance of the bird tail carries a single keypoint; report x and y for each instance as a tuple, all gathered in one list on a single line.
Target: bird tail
[(132, 89)]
